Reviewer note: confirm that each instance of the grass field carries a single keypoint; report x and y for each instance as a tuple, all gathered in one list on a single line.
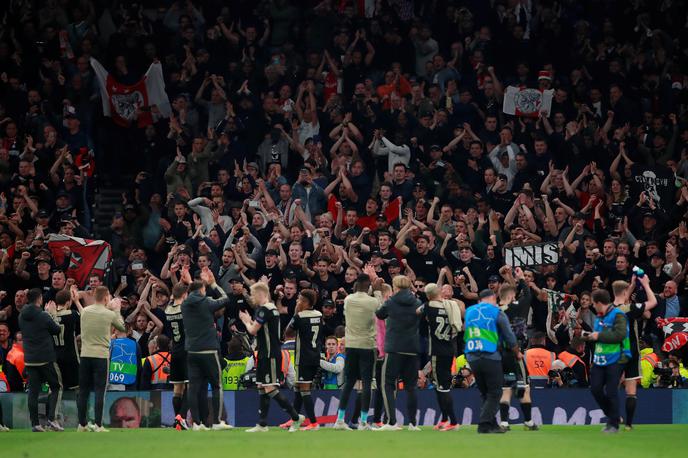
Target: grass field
[(552, 441)]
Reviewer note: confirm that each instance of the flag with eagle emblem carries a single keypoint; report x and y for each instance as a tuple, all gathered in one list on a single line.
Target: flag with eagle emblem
[(131, 104), (87, 257)]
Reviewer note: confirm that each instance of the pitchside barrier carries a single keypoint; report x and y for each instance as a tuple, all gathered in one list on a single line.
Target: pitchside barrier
[(153, 409)]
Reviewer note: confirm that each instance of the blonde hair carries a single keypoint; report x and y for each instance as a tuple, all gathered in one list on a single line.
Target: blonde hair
[(260, 287), (401, 282), (432, 291), (619, 287)]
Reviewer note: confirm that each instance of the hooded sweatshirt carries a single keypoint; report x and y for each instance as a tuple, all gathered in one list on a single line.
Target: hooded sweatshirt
[(198, 313), (38, 329), (402, 321)]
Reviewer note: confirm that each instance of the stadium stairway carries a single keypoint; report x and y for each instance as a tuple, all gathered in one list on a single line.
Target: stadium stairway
[(108, 201)]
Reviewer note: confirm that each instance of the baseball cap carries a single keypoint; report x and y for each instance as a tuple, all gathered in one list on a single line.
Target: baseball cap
[(235, 280), (381, 217), (43, 214), (376, 253), (394, 263), (328, 303), (271, 253), (252, 165), (493, 279)]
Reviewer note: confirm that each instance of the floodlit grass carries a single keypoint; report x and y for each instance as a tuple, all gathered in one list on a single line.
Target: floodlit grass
[(584, 441)]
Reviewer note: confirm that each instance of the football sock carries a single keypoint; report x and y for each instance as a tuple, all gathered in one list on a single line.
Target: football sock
[(177, 404), (527, 409), (263, 409), (298, 401), (308, 405), (284, 404), (341, 413), (449, 408), (630, 409), (443, 407), (504, 412)]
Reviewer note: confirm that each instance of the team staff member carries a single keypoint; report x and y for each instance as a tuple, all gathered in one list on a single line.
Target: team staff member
[(96, 322), (308, 326), (634, 315), (612, 352), (444, 322), (38, 328), (486, 326), (203, 349), (402, 345), (174, 329), (269, 377), (359, 314)]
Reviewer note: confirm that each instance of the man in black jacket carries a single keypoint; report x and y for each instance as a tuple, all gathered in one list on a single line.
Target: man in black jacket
[(38, 328), (401, 347), (203, 349)]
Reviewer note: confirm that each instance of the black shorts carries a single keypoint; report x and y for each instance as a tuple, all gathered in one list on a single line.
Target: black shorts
[(513, 369), (305, 373), (269, 371), (69, 373), (632, 368), (179, 369), (441, 372)]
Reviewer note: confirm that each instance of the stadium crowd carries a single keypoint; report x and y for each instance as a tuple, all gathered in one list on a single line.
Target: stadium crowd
[(313, 141)]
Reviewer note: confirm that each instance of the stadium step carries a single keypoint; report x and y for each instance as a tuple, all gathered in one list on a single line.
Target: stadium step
[(108, 201)]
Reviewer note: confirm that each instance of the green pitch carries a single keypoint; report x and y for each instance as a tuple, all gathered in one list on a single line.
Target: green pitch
[(584, 441)]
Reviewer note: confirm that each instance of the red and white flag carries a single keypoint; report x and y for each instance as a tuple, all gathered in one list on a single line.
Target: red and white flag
[(128, 104), (528, 102), (87, 257)]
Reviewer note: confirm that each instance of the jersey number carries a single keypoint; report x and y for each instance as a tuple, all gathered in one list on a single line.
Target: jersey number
[(443, 328), (59, 338), (315, 330), (176, 335)]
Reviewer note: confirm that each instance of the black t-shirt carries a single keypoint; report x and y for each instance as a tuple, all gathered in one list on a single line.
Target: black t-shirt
[(237, 302), (426, 266), (273, 274), (439, 329), (269, 345), (65, 342), (331, 324), (326, 287), (309, 336), (174, 327)]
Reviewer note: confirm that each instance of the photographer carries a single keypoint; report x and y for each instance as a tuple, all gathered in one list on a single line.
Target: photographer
[(572, 358), (669, 375), (556, 378), (464, 378)]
